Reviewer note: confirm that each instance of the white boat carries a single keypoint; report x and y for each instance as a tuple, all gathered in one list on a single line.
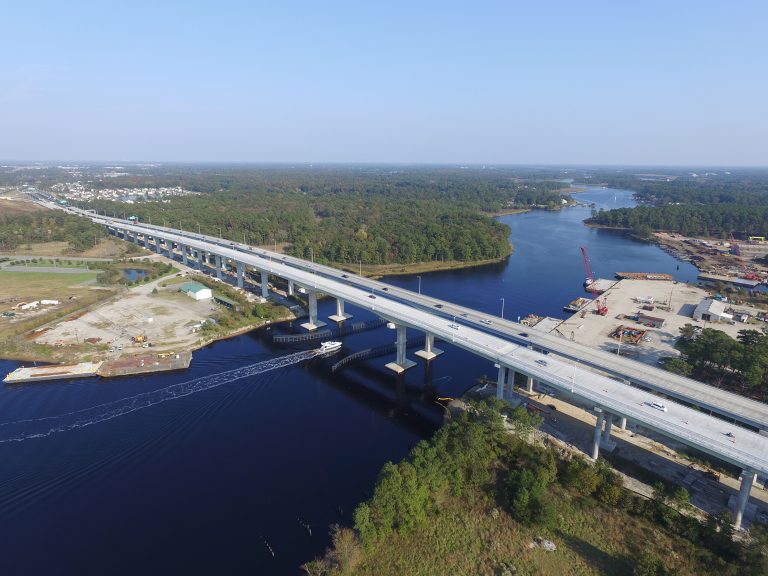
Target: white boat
[(330, 346)]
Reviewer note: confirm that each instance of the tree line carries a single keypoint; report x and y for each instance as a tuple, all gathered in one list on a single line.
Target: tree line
[(712, 356), (349, 216), (710, 220), (48, 226)]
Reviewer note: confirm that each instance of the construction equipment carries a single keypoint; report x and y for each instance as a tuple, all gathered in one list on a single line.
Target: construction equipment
[(600, 307), (140, 339)]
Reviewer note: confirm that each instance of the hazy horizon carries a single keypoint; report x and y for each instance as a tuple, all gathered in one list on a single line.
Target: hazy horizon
[(552, 84)]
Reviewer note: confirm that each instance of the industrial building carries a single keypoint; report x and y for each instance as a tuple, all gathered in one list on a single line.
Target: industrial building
[(196, 291), (710, 310)]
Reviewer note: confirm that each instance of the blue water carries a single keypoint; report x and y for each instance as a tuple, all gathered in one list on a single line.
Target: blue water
[(197, 473), (134, 274)]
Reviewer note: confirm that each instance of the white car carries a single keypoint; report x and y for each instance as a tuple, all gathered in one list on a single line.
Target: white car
[(541, 362), (657, 405)]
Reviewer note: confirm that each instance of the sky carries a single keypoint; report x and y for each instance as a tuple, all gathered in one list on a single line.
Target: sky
[(513, 82)]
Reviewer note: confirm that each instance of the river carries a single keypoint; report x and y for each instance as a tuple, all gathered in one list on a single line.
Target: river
[(243, 473)]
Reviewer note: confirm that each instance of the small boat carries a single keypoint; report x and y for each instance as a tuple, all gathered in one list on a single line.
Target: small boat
[(329, 346)]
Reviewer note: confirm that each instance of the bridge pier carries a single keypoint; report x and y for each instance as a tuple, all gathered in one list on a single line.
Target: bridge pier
[(622, 422), (429, 351), (218, 266), (500, 380), (598, 433), (747, 479), (313, 323), (340, 316), (200, 259), (401, 363), (158, 249), (606, 443), (184, 257), (264, 284), (240, 273), (290, 287), (529, 385)]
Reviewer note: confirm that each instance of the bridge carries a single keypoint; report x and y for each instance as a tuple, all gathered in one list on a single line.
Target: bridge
[(617, 388)]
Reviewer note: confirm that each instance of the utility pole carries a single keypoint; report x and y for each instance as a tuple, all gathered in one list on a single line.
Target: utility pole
[(502, 308)]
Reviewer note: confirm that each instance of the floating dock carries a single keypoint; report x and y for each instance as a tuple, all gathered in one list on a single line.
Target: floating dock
[(53, 372), (145, 364), (599, 285), (644, 276)]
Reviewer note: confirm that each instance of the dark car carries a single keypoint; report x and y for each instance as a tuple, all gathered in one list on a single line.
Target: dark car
[(344, 276), (371, 296), (438, 305), (385, 288)]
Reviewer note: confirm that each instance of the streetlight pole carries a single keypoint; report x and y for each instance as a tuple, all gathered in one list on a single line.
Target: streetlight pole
[(419, 277), (312, 254), (198, 228), (502, 308)]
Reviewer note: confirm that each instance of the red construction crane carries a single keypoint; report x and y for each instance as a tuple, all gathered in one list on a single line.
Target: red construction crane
[(600, 307)]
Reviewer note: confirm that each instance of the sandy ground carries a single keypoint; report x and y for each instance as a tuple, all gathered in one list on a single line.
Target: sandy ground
[(594, 330), (164, 318)]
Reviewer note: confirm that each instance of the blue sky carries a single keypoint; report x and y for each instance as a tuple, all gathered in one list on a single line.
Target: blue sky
[(545, 82)]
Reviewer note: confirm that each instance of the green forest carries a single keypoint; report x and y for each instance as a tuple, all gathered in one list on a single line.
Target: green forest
[(712, 356), (47, 226), (710, 220), (348, 216), (715, 204)]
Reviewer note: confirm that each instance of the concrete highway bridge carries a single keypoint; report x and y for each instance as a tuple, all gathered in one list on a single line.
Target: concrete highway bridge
[(727, 426)]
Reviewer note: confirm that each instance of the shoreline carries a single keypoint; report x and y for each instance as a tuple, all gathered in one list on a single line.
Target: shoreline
[(200, 344), (378, 270)]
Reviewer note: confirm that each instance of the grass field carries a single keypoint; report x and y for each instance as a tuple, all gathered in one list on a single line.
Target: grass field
[(468, 537), (28, 286), (37, 285)]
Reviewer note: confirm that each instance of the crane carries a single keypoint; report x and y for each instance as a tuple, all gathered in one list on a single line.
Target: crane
[(600, 307)]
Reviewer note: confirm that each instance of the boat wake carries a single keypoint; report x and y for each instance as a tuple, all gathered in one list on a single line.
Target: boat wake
[(46, 426)]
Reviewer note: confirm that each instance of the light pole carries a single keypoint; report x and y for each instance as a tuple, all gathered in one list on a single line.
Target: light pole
[(198, 228), (360, 263), (312, 254), (502, 308), (419, 277)]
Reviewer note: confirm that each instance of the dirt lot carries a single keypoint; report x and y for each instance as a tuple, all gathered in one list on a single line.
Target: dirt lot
[(164, 318), (15, 207)]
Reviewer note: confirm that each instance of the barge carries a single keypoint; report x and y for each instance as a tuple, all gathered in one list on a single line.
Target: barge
[(53, 372)]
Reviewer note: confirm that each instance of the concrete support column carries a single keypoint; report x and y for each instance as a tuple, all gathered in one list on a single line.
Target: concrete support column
[(401, 363), (340, 315), (184, 257), (200, 259), (264, 284), (502, 378), (529, 385), (429, 351), (136, 238), (313, 323), (622, 422), (240, 273), (510, 383), (290, 287), (747, 478), (158, 249), (598, 432), (608, 426), (218, 266)]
